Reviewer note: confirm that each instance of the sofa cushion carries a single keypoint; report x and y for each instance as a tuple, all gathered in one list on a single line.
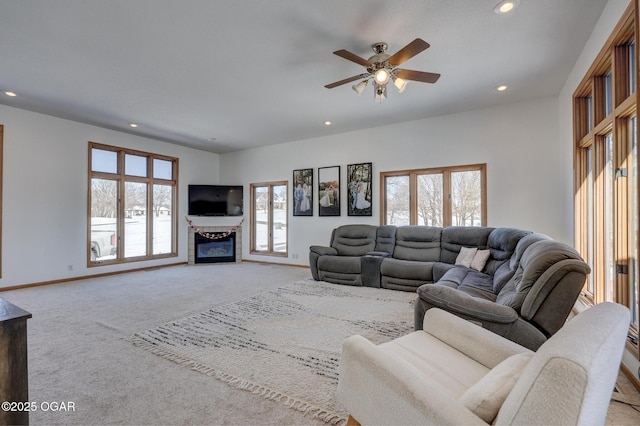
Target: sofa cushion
[(456, 237), (535, 261), (506, 270), (486, 396), (440, 268), (342, 264), (418, 243), (407, 269), (385, 239), (469, 281), (354, 240), (502, 242)]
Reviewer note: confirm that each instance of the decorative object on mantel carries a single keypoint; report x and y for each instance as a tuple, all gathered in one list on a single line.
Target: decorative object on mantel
[(303, 192), (381, 68), (217, 235), (359, 189)]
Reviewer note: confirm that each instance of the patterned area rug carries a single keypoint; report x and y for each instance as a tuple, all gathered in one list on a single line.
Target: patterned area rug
[(284, 344)]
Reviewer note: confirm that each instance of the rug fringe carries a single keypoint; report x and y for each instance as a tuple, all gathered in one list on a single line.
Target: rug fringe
[(265, 392)]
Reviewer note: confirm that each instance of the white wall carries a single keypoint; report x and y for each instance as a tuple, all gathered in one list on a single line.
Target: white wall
[(528, 170), (45, 194)]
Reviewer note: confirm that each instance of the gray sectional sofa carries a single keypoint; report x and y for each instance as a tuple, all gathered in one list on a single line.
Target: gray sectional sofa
[(519, 284)]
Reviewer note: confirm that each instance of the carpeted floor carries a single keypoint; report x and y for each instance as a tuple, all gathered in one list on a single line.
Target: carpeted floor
[(79, 349), (284, 344)]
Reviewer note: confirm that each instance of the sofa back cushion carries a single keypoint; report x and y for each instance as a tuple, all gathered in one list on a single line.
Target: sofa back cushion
[(502, 242), (419, 243), (535, 261), (455, 237), (386, 239), (354, 240), (507, 269)]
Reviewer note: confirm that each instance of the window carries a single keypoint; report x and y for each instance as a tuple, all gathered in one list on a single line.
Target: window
[(448, 196), (605, 170), (269, 218), (132, 205)]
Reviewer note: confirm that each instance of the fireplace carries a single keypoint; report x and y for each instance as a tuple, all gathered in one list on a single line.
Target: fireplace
[(220, 249), (219, 226)]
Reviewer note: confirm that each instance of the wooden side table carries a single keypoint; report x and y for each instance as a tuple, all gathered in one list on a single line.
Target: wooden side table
[(14, 378)]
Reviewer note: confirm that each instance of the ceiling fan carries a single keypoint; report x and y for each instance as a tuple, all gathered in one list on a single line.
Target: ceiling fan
[(381, 68)]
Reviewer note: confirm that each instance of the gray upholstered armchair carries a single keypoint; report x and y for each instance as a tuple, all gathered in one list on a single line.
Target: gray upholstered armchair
[(530, 299), (340, 262)]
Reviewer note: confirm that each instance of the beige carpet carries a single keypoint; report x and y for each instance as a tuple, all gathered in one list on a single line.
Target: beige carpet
[(78, 349), (284, 344)]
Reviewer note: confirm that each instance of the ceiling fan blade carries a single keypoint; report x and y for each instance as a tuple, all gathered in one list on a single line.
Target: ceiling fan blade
[(425, 77), (353, 57), (407, 52), (346, 80)]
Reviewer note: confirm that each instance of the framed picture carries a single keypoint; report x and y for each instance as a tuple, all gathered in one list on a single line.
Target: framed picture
[(329, 191), (359, 189), (303, 192)]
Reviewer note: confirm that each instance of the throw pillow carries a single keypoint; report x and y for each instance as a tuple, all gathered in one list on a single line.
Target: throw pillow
[(480, 259), (486, 396), (466, 256)]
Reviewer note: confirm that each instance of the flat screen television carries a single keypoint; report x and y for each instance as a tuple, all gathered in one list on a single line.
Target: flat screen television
[(215, 200)]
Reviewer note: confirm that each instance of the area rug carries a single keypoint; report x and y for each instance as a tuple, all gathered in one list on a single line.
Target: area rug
[(284, 344)]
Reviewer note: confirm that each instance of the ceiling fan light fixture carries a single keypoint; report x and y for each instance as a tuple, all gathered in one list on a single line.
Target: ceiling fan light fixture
[(400, 84), (380, 93), (382, 76), (359, 88)]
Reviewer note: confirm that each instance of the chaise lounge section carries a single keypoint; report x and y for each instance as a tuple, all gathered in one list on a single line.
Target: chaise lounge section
[(516, 283)]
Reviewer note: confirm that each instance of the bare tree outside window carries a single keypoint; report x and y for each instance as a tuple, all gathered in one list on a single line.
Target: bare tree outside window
[(103, 198), (430, 202), (466, 198), (397, 201)]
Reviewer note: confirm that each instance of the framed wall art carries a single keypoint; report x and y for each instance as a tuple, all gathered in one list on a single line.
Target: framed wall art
[(329, 191), (359, 189), (303, 192)]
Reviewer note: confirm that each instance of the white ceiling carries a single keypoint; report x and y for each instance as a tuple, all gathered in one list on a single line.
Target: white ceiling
[(252, 72)]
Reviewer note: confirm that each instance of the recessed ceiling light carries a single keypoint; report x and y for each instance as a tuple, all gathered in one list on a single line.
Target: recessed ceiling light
[(502, 88), (327, 123), (506, 6), (134, 125), (9, 93)]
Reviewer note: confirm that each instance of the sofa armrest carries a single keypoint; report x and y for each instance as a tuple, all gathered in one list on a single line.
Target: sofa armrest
[(571, 272), (456, 301), (324, 251), (376, 388)]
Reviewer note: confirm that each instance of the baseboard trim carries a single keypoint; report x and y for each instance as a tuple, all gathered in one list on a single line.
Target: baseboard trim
[(84, 277), (276, 263)]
